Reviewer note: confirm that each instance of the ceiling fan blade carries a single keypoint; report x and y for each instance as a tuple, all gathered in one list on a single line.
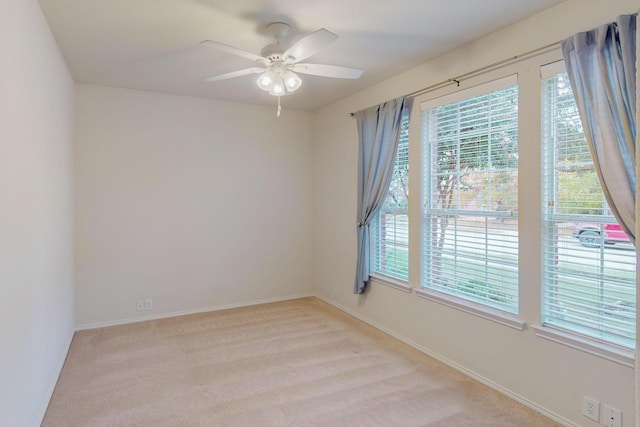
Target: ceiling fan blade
[(233, 50), (310, 45), (327, 71), (233, 74)]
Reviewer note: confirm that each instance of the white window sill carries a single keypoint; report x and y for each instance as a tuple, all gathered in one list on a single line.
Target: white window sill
[(391, 282), (472, 308), (592, 346)]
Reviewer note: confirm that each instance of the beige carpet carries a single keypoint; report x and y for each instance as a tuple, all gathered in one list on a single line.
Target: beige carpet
[(293, 363)]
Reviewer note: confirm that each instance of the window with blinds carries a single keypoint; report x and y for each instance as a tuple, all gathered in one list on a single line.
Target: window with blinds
[(470, 182), (588, 263), (390, 227)]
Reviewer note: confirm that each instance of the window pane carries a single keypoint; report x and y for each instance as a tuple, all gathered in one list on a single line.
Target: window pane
[(588, 262), (470, 229), (390, 228)]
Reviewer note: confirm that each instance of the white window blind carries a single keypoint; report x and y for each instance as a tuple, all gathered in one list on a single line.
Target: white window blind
[(390, 227), (470, 183), (588, 263)]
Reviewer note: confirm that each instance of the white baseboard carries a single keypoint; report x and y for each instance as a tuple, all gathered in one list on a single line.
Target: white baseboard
[(54, 381), (509, 393), (97, 325)]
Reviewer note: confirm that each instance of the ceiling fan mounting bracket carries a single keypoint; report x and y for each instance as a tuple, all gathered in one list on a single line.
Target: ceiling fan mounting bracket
[(278, 30)]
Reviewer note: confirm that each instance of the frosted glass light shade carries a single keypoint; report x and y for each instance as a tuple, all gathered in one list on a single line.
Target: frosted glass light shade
[(292, 81), (278, 80), (265, 80), (278, 88)]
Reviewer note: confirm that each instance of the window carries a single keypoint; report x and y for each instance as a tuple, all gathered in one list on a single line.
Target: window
[(390, 227), (588, 263), (470, 184)]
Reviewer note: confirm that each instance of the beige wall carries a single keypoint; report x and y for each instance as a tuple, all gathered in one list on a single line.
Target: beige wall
[(543, 374), (36, 213), (193, 203)]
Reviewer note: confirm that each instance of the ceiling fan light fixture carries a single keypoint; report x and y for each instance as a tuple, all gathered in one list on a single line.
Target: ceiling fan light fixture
[(278, 88), (292, 81), (278, 81), (265, 80)]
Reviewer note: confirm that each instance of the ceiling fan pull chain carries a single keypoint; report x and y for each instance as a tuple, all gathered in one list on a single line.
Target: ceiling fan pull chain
[(279, 108)]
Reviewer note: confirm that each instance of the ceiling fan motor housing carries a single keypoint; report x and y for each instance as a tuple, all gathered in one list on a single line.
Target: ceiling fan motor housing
[(273, 53)]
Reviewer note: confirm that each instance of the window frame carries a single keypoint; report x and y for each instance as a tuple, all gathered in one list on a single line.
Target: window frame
[(530, 213), (473, 306), (577, 337)]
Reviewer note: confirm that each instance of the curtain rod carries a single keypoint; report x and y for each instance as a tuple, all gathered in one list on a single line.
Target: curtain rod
[(480, 70)]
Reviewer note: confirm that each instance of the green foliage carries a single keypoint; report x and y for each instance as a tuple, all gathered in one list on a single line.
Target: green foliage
[(579, 192), (476, 151), (482, 290), (568, 133), (398, 195), (395, 262), (577, 188), (478, 133)]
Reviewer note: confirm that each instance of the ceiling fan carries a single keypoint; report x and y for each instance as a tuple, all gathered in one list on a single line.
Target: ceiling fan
[(279, 68)]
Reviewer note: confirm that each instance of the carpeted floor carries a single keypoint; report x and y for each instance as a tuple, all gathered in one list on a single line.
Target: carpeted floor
[(293, 363)]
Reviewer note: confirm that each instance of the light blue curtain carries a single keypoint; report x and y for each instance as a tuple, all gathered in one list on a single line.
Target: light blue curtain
[(601, 64), (379, 133)]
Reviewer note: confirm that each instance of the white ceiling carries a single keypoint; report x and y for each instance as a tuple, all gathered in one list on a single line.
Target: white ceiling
[(154, 44)]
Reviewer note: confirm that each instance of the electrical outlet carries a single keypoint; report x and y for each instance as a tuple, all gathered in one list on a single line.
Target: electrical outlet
[(612, 417), (148, 304), (139, 305), (591, 408)]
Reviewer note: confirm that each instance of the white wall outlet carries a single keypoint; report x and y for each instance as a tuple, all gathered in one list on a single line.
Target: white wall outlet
[(148, 304), (139, 305), (591, 408), (611, 417)]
